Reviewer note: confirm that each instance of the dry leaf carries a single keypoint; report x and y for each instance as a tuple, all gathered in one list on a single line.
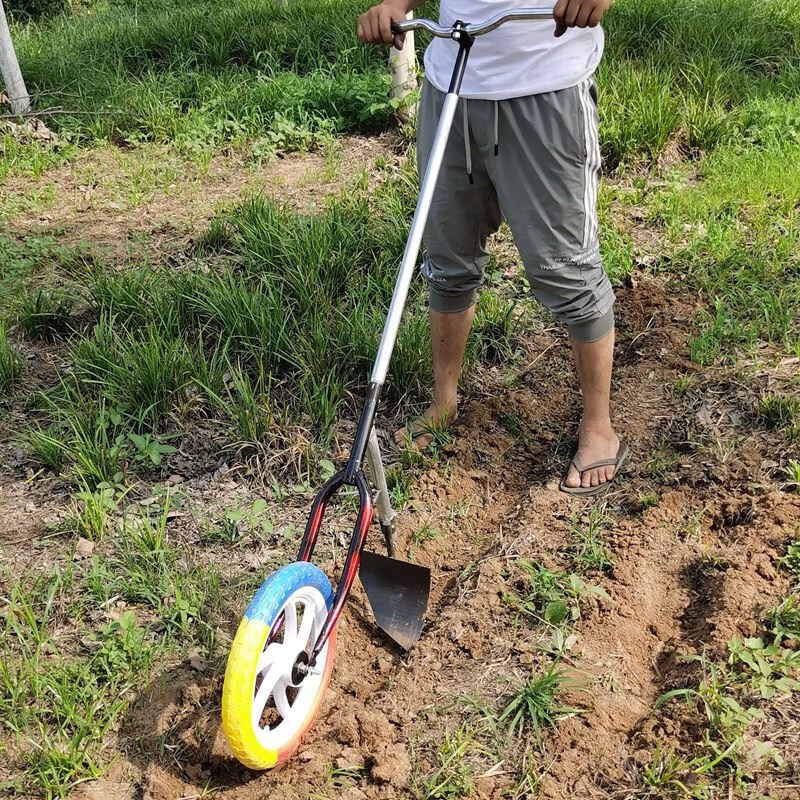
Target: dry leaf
[(704, 417), (492, 771), (84, 549), (196, 661), (195, 772)]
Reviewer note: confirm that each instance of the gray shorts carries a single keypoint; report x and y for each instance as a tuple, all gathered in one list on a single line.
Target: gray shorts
[(534, 161)]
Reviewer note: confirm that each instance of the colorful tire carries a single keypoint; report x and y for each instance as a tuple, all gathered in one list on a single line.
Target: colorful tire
[(264, 715)]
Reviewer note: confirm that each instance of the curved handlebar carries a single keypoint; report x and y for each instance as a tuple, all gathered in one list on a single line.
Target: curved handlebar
[(473, 29)]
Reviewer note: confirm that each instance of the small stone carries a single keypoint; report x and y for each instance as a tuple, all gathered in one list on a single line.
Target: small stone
[(350, 758), (764, 566), (352, 793)]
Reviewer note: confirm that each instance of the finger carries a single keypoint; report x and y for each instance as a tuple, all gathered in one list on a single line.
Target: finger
[(375, 30), (571, 14), (558, 15), (360, 32), (595, 18), (399, 40), (583, 16), (385, 23)]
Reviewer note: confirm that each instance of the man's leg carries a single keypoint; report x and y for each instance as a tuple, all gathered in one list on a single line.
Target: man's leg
[(464, 213), (547, 177), (449, 334), (596, 438)]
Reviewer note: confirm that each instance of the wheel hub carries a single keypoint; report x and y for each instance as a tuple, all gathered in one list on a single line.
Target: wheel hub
[(300, 669)]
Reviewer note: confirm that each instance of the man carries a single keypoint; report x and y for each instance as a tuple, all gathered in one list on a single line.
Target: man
[(527, 151)]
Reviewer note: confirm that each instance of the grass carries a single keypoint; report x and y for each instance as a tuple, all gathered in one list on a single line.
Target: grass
[(66, 703), (45, 315), (46, 447), (778, 411), (454, 775), (589, 550), (209, 73), (10, 361), (535, 703)]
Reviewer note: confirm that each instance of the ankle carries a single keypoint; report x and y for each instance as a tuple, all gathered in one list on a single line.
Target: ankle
[(600, 428), (445, 407)]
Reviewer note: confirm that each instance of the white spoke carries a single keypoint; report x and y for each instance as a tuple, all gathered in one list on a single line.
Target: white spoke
[(305, 626), (282, 701), (268, 656), (264, 691), (289, 623)]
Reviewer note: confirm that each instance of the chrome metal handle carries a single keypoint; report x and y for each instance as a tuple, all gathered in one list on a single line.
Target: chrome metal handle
[(472, 28)]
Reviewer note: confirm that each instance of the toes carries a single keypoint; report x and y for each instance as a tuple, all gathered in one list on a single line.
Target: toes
[(573, 478)]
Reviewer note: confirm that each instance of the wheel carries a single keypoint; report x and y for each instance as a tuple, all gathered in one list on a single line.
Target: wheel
[(266, 709)]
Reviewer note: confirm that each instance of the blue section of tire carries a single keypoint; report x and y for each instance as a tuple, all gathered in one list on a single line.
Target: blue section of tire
[(280, 586)]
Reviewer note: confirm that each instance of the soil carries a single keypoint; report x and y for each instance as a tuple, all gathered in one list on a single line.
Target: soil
[(697, 523)]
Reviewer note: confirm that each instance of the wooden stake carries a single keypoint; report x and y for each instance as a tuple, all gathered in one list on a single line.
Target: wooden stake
[(9, 66), (403, 69)]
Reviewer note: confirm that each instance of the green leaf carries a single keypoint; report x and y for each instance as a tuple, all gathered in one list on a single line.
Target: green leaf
[(259, 506), (555, 612), (600, 592)]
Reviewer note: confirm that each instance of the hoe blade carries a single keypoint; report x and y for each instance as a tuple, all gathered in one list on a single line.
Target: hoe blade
[(398, 594)]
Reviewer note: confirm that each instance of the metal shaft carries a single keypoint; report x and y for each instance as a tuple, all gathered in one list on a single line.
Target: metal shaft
[(409, 262)]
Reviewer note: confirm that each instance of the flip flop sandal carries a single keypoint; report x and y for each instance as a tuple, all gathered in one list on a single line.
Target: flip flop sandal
[(590, 491)]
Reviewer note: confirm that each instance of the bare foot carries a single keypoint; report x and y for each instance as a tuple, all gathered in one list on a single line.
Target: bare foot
[(436, 417), (593, 445)]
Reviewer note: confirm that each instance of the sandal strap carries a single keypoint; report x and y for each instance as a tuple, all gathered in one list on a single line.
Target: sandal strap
[(605, 462)]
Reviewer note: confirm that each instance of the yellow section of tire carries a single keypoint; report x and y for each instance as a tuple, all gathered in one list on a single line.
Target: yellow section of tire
[(237, 696)]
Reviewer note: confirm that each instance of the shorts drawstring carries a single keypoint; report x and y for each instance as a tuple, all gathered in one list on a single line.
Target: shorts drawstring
[(496, 127), (468, 146)]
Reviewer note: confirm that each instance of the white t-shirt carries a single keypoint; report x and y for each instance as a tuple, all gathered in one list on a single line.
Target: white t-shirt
[(520, 58)]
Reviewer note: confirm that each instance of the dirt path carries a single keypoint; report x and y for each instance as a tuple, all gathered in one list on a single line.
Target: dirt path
[(690, 571)]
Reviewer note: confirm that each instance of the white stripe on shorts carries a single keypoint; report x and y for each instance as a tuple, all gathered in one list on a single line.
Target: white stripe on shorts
[(591, 164)]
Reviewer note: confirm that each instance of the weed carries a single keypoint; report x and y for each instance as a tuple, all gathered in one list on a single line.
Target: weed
[(150, 449), (401, 485), (792, 472), (777, 411), (589, 550), (425, 533), (45, 315), (239, 523), (663, 462), (453, 777), (492, 336), (46, 446), (668, 771), (67, 705), (684, 384), (785, 618), (146, 570), (771, 667), (535, 703), (649, 499), (92, 510), (554, 597), (791, 560), (10, 361)]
